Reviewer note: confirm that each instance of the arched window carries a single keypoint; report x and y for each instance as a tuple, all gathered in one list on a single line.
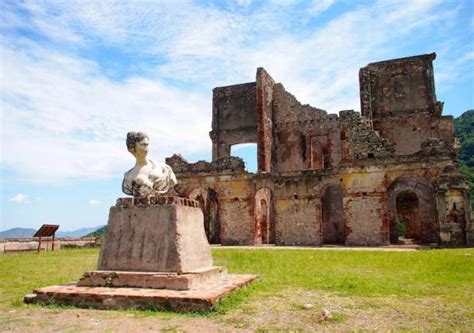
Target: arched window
[(264, 228)]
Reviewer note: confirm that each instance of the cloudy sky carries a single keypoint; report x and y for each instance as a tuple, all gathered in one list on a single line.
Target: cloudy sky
[(77, 75)]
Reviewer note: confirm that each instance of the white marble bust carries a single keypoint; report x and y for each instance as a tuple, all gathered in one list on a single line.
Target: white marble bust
[(146, 177)]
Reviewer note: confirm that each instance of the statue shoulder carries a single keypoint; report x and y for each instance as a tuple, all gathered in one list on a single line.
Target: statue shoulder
[(127, 184), (127, 174)]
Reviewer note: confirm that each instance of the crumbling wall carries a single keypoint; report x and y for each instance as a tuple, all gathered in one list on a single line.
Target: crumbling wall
[(334, 179), (222, 165), (398, 99), (398, 85), (443, 128), (454, 212), (407, 132), (264, 120), (234, 118), (359, 141), (304, 137), (296, 203)]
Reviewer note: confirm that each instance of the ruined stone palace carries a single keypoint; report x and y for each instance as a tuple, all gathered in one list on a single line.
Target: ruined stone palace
[(371, 178)]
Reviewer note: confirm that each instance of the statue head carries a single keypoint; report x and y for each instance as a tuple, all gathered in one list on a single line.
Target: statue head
[(137, 143)]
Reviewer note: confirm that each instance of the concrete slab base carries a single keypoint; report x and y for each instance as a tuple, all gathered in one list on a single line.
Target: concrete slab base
[(201, 299)]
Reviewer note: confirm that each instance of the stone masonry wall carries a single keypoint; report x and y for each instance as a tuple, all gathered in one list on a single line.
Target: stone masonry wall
[(359, 141), (395, 159), (296, 206), (264, 119), (234, 118), (398, 99), (304, 137)]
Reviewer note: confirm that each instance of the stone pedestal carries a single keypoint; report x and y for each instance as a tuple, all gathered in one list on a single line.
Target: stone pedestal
[(155, 255), (162, 234)]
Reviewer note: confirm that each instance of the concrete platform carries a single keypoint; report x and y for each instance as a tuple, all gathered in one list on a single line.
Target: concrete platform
[(202, 299), (155, 280)]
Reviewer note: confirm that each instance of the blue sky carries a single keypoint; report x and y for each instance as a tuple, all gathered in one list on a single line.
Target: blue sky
[(76, 76)]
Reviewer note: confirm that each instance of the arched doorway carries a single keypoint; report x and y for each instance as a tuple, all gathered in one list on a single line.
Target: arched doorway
[(212, 223), (209, 204), (412, 210), (264, 228), (408, 216), (332, 225)]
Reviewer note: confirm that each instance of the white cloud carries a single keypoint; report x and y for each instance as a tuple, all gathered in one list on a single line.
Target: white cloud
[(319, 6), (94, 202), (73, 122), (244, 3), (19, 199), (322, 67)]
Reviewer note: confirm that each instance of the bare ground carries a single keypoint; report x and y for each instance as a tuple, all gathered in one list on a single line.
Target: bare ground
[(287, 311)]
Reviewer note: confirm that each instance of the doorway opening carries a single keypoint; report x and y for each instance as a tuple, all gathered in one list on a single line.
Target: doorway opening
[(408, 224), (209, 204), (333, 216), (264, 228)]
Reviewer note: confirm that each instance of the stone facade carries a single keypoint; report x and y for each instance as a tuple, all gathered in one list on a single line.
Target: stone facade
[(371, 178)]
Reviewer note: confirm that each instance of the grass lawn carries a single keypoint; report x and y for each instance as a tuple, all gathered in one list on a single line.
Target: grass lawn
[(367, 290)]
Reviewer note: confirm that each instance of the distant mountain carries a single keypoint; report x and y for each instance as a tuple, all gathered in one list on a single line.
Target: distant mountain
[(27, 232), (17, 233), (78, 233), (99, 232)]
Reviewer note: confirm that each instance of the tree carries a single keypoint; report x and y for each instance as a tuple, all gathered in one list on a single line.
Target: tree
[(464, 131)]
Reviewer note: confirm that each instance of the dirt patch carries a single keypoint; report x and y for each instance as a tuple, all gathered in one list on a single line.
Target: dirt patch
[(300, 310), (289, 310)]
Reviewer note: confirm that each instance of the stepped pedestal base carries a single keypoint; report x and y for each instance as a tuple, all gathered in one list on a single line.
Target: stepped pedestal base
[(201, 299)]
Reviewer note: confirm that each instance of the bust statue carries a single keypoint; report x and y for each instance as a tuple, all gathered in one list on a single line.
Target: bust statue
[(146, 177)]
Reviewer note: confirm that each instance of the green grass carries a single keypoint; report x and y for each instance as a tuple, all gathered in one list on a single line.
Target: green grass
[(436, 273), (447, 273), (22, 272)]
